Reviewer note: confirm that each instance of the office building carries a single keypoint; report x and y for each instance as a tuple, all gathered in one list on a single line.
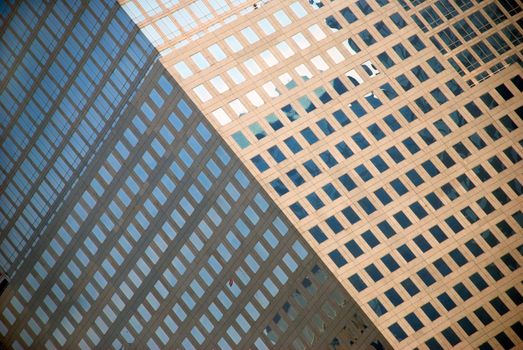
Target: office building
[(127, 222), (270, 174)]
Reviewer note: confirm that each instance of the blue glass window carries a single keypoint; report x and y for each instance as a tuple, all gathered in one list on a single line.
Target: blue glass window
[(383, 196), (397, 332), (350, 215), (367, 205), (386, 229), (337, 258), (415, 323), (328, 159), (394, 297), (347, 182), (345, 151), (349, 16), (338, 86), (309, 135), (442, 127), (318, 234), (401, 51), (423, 104), (454, 224), (434, 200), (395, 154), (274, 122), (379, 163), (402, 219), (315, 201), (363, 172), (276, 154), (331, 191), (404, 82), (295, 177), (389, 91), (422, 243), (386, 60), (410, 287), (367, 37), (426, 277), (370, 238), (360, 140), (408, 114), (438, 233), (290, 112), (430, 168), (399, 187), (279, 187), (374, 272), (418, 210), (357, 282), (406, 253), (411, 145), (414, 177), (312, 168), (341, 117), (390, 263), (357, 109), (260, 163), (354, 248), (298, 210), (375, 130), (293, 145), (392, 123), (324, 125)]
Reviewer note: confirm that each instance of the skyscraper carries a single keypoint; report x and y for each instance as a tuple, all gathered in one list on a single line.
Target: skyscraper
[(271, 174)]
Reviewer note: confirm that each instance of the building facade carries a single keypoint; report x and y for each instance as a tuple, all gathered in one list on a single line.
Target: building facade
[(127, 220), (271, 174)]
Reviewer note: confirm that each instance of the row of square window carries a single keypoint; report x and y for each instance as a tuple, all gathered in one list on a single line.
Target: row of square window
[(424, 275), (321, 93), (201, 62), (398, 186), (368, 236), (353, 247), (396, 155), (286, 79), (418, 209), (151, 8), (81, 212), (446, 301), (504, 340), (453, 339), (327, 129), (255, 99), (251, 309), (460, 260), (250, 36)]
